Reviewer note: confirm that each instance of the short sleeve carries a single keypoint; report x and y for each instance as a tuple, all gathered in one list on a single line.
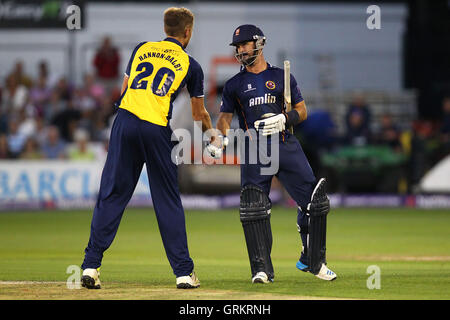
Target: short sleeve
[(195, 79), (296, 95), (228, 103), (130, 62)]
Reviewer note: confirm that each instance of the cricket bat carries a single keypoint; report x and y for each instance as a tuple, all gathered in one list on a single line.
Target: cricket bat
[(287, 89)]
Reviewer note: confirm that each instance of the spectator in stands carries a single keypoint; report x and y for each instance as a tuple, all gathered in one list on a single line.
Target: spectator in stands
[(31, 150), (16, 139), (64, 89), (87, 107), (4, 148), (93, 88), (357, 132), (27, 121), (54, 147), (389, 133), (40, 94), (44, 72), (67, 120), (15, 95), (40, 134), (83, 101), (358, 106), (22, 77), (106, 62), (54, 106), (82, 150)]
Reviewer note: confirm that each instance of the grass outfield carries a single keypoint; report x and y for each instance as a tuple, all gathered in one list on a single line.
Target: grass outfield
[(411, 248)]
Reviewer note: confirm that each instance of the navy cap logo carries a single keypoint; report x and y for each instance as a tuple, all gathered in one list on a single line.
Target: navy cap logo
[(237, 32)]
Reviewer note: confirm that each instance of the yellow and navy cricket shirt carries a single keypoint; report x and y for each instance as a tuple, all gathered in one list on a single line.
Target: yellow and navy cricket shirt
[(157, 72)]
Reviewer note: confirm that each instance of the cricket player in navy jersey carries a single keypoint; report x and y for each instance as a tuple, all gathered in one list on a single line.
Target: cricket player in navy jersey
[(255, 94), (141, 133)]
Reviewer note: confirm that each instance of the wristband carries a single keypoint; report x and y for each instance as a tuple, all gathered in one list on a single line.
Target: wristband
[(292, 118)]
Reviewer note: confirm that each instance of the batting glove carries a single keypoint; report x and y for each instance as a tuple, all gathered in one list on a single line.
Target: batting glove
[(271, 125)]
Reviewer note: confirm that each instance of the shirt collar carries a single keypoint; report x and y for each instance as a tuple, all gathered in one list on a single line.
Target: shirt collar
[(269, 66), (174, 41)]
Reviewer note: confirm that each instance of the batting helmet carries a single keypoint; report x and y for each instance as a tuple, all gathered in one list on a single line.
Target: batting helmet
[(245, 33)]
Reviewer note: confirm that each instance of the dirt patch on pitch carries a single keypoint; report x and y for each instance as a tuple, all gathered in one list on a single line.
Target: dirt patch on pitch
[(35, 290)]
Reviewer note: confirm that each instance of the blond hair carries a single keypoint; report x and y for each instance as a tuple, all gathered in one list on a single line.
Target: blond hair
[(176, 20)]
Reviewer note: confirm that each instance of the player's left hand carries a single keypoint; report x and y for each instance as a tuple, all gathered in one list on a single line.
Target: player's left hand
[(271, 125), (214, 151), (215, 148)]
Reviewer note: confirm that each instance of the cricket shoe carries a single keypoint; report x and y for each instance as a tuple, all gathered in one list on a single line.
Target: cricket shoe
[(302, 267), (324, 272), (91, 278), (188, 282), (261, 277)]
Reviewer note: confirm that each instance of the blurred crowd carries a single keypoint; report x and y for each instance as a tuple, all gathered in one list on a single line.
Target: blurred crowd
[(362, 129), (434, 133), (422, 143), (46, 118)]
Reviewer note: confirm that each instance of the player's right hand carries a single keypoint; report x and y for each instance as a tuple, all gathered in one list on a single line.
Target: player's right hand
[(271, 125)]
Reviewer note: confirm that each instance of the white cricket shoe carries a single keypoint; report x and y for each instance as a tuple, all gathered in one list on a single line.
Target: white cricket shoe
[(326, 274), (188, 282), (91, 278), (260, 277)]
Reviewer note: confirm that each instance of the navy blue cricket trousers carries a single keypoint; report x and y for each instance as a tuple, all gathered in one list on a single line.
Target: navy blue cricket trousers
[(294, 173), (134, 142)]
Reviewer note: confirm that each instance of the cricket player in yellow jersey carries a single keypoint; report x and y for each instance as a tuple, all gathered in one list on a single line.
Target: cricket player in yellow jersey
[(141, 133)]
